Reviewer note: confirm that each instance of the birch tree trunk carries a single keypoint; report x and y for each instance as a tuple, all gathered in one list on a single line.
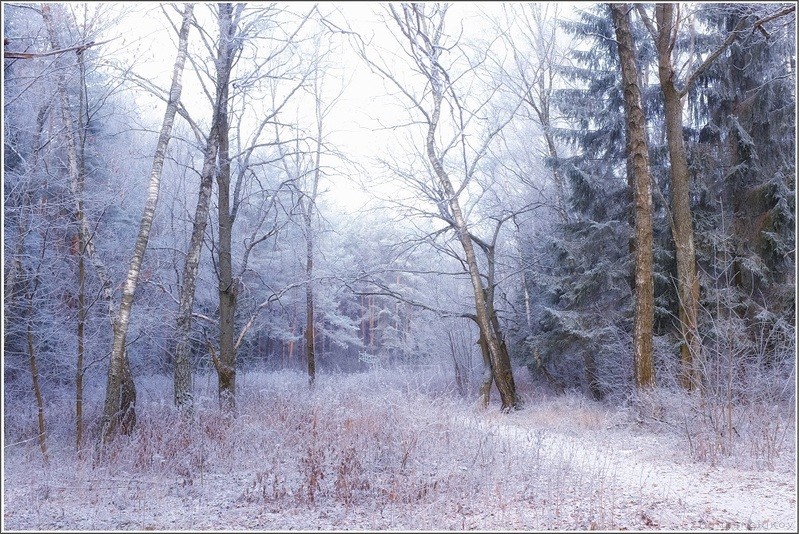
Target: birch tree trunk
[(119, 407), (182, 371), (638, 170)]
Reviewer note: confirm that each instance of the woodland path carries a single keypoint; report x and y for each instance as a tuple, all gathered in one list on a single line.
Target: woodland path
[(649, 484)]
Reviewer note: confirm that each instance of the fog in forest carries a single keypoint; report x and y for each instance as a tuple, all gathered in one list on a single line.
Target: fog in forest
[(395, 266)]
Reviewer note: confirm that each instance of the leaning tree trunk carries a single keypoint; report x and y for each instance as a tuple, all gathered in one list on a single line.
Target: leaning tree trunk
[(182, 371), (119, 407), (685, 252), (503, 376), (638, 169)]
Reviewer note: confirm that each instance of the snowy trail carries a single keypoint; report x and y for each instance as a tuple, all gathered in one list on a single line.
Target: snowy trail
[(640, 472)]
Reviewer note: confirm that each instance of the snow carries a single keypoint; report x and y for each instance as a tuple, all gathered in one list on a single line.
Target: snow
[(389, 450)]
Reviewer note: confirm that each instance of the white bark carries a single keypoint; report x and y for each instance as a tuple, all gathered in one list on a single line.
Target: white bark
[(115, 409)]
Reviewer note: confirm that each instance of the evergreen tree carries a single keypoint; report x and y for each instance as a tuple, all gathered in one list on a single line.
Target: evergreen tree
[(742, 146), (585, 280)]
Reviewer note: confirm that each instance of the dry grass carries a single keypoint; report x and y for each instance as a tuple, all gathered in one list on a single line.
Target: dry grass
[(381, 450)]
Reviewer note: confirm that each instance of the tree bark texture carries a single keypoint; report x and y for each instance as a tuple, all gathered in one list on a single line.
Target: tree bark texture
[(309, 311), (488, 373), (685, 252), (226, 363), (182, 372), (120, 399), (503, 376), (638, 170)]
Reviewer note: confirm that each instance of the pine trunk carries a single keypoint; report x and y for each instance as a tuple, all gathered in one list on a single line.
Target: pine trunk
[(85, 248), (687, 278), (638, 170)]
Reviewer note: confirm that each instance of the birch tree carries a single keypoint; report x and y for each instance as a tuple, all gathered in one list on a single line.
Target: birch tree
[(74, 128), (119, 406), (260, 91), (225, 54)]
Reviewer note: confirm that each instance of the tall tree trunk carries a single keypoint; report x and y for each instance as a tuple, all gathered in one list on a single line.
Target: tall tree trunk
[(309, 310), (500, 365), (79, 370), (638, 171), (310, 329), (664, 33), (120, 399), (687, 278), (37, 390), (31, 285), (77, 173), (226, 363), (182, 371), (83, 249)]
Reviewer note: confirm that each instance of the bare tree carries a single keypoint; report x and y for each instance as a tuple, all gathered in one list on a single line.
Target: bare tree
[(240, 153), (225, 55), (638, 170), (308, 206), (119, 407), (423, 40), (309, 174), (535, 46), (74, 133), (303, 164)]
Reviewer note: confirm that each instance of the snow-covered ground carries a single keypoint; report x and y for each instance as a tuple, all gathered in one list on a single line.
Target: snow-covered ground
[(388, 451)]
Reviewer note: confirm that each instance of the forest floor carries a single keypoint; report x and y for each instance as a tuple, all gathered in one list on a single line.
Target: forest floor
[(380, 451)]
